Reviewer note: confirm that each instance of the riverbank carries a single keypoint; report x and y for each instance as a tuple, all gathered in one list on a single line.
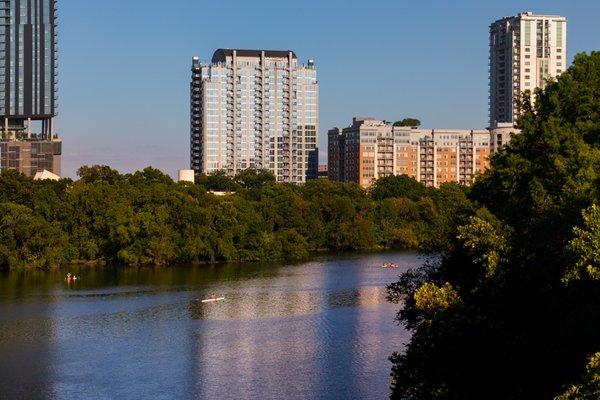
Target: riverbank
[(317, 255), (147, 219)]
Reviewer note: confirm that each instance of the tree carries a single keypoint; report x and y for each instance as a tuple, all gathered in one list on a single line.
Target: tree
[(97, 173), (412, 122), (146, 218), (254, 178), (28, 240), (218, 181), (589, 388), (397, 186), (522, 263)]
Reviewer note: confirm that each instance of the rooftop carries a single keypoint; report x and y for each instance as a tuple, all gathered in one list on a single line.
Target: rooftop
[(222, 54)]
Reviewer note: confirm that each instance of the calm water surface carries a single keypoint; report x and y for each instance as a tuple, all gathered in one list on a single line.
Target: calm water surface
[(318, 330)]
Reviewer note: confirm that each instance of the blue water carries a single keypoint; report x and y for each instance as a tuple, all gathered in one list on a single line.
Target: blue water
[(317, 330)]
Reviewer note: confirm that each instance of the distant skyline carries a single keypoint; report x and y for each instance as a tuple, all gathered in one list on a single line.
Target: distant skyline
[(124, 66)]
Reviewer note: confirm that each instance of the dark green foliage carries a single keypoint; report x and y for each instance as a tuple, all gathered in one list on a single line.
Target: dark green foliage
[(97, 173), (408, 122), (254, 178), (521, 269), (26, 239), (146, 218), (398, 186), (218, 181)]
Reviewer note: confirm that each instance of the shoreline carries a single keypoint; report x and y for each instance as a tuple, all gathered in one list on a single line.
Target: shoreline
[(99, 264)]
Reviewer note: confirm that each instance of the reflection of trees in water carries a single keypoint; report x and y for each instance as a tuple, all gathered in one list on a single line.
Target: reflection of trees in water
[(25, 332)]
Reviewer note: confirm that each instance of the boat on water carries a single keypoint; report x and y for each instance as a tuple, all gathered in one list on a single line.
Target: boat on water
[(390, 265), (212, 300)]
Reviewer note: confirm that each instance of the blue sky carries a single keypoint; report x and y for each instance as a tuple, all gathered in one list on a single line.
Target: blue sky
[(124, 64)]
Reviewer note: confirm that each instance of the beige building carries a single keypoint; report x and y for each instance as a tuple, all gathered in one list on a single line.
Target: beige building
[(525, 51), (371, 149), (501, 134)]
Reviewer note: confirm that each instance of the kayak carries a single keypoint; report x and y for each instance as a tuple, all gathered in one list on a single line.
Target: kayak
[(213, 300)]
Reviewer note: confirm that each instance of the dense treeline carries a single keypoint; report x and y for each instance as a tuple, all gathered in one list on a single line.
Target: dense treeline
[(146, 218), (511, 310)]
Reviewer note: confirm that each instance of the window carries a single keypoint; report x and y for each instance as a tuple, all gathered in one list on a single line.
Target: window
[(559, 32)]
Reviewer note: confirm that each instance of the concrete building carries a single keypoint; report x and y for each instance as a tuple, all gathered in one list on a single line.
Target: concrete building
[(323, 171), (187, 175), (371, 149), (31, 156), (255, 109), (28, 79), (525, 51), (500, 135)]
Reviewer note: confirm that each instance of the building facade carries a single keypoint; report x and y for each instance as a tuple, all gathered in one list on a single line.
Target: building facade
[(28, 79), (525, 51), (371, 149), (255, 109), (31, 156)]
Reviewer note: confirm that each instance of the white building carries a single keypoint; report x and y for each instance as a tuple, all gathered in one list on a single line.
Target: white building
[(187, 175), (255, 109), (525, 51)]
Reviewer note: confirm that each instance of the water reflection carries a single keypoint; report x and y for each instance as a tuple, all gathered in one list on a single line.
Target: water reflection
[(25, 338), (317, 330)]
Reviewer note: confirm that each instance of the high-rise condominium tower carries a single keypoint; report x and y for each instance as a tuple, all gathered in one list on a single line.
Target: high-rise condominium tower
[(525, 51), (255, 109), (28, 85)]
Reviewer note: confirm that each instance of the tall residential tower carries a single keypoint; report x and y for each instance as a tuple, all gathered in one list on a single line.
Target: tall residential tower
[(525, 51), (255, 109), (28, 86)]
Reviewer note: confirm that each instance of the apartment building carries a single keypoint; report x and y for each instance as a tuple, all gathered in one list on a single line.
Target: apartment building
[(370, 149), (525, 51), (255, 109)]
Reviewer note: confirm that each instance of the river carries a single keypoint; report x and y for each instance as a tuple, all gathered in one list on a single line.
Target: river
[(315, 330)]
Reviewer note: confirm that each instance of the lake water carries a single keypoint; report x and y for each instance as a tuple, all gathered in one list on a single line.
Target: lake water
[(316, 330)]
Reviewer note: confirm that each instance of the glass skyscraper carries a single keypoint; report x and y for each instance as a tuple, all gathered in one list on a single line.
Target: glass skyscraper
[(28, 87), (255, 109), (27, 65)]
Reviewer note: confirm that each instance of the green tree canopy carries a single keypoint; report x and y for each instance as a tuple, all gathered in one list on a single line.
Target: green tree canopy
[(254, 178), (408, 122), (97, 173), (523, 264), (144, 218), (397, 186), (218, 181)]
